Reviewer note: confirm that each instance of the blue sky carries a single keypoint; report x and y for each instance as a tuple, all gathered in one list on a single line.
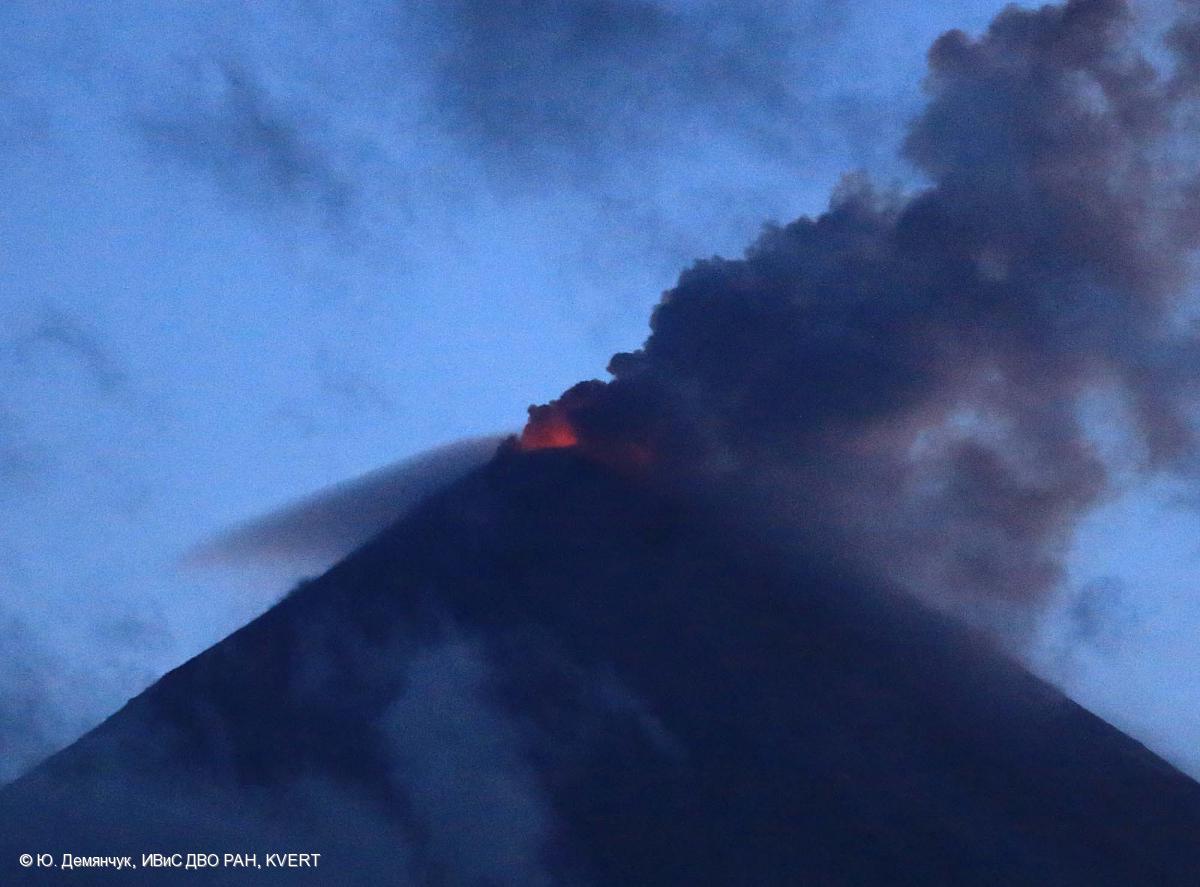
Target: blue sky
[(252, 250)]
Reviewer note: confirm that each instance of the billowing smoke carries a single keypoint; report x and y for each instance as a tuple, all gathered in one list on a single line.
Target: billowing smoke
[(916, 378)]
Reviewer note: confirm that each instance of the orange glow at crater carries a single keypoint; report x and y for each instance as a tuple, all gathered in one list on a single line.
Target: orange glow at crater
[(555, 426), (547, 430)]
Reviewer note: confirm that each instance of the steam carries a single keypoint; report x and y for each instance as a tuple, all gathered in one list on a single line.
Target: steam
[(321, 529), (906, 375)]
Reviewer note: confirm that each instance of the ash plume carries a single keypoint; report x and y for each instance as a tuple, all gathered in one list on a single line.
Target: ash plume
[(317, 531), (564, 90), (253, 145), (906, 375)]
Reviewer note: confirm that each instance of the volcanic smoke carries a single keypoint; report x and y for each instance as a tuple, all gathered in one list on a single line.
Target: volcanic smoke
[(906, 374), (552, 672)]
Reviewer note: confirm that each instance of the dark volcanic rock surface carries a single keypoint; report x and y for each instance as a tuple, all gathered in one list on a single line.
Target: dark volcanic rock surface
[(551, 674)]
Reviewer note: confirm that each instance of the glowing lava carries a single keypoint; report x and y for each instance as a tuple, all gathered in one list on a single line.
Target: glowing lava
[(556, 426), (548, 429)]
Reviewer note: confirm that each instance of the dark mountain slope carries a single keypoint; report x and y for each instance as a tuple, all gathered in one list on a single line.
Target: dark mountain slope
[(550, 674)]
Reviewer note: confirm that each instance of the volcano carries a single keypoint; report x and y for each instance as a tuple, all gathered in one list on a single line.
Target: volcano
[(551, 672)]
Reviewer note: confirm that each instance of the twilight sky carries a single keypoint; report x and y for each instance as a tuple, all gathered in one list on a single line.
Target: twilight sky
[(250, 250)]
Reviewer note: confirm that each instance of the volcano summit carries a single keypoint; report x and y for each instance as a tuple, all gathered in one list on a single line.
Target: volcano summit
[(553, 673), (731, 615)]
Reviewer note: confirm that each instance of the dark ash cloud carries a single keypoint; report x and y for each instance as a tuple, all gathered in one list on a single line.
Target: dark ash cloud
[(53, 328), (255, 144), (1101, 615), (907, 370), (568, 89)]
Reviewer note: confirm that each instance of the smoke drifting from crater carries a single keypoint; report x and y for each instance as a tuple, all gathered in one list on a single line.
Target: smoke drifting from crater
[(316, 532), (907, 374)]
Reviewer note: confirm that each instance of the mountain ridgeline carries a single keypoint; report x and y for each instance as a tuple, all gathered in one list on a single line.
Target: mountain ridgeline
[(554, 673)]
